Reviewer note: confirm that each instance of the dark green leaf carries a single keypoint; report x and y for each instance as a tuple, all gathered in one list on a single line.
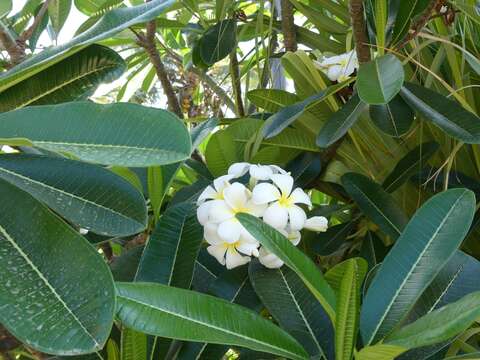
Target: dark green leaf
[(394, 118), (407, 12), (58, 10), (218, 41), (57, 294), (272, 99), (328, 242), (425, 246)]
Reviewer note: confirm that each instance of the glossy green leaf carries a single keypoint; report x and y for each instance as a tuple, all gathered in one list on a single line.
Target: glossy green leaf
[(425, 246), (91, 7), (447, 114), (440, 324), (110, 24), (272, 99), (375, 203), (411, 164), (348, 309), (218, 41), (379, 352), (407, 12), (45, 264), (72, 79), (58, 11), (87, 195), (340, 122), (221, 152), (113, 352), (379, 80), (335, 275), (186, 315), (159, 179), (328, 242), (133, 345), (116, 134), (294, 308), (276, 243), (170, 253), (394, 118)]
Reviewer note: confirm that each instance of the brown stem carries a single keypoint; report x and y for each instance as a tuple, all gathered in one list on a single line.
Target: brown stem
[(359, 31), (420, 23), (14, 50), (288, 26), (236, 84), (27, 34)]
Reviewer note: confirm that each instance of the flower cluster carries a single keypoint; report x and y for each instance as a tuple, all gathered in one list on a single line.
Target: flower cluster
[(264, 191), (339, 68)]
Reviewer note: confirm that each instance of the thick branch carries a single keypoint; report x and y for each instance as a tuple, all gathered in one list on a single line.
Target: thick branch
[(288, 26), (236, 84), (359, 31)]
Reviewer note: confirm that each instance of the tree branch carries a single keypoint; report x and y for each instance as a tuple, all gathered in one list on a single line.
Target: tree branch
[(27, 34), (288, 26), (236, 84), (359, 31)]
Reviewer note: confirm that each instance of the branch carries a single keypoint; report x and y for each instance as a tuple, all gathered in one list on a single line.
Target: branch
[(27, 34), (236, 83), (214, 87), (14, 50), (288, 26), (359, 31)]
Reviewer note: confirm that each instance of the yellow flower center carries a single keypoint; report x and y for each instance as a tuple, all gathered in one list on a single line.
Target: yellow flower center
[(285, 201)]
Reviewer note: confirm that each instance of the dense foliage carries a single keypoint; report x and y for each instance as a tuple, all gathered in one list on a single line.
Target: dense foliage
[(271, 179)]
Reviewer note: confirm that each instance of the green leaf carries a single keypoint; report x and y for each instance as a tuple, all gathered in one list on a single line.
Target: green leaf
[(295, 309), (335, 275), (348, 308), (72, 79), (379, 80), (112, 23), (133, 345), (276, 243), (58, 10), (221, 152), (117, 134), (272, 99), (87, 195), (5, 8), (286, 116), (394, 118), (218, 41), (425, 246), (447, 114), (113, 353), (440, 324), (186, 315), (379, 352), (328, 242), (340, 122), (169, 256), (408, 11), (375, 203), (159, 179), (409, 165), (45, 264)]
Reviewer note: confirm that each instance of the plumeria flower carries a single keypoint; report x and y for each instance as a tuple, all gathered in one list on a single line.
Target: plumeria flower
[(282, 202), (237, 199), (272, 261), (339, 68), (230, 253), (214, 192), (316, 223)]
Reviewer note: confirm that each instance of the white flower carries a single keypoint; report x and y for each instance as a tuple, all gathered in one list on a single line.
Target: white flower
[(339, 68), (214, 192), (316, 223), (271, 260), (282, 209), (237, 199), (228, 253)]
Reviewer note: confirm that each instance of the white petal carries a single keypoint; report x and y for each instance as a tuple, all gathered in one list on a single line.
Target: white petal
[(218, 251), (255, 209), (247, 248), (277, 169), (208, 193), (236, 196), (210, 234), (221, 183), (220, 211), (246, 236), (332, 60), (299, 196), (260, 172), (264, 193), (284, 183), (334, 72), (294, 237), (234, 259), (316, 223), (203, 212), (268, 259), (229, 231), (238, 169), (276, 216), (297, 217)]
